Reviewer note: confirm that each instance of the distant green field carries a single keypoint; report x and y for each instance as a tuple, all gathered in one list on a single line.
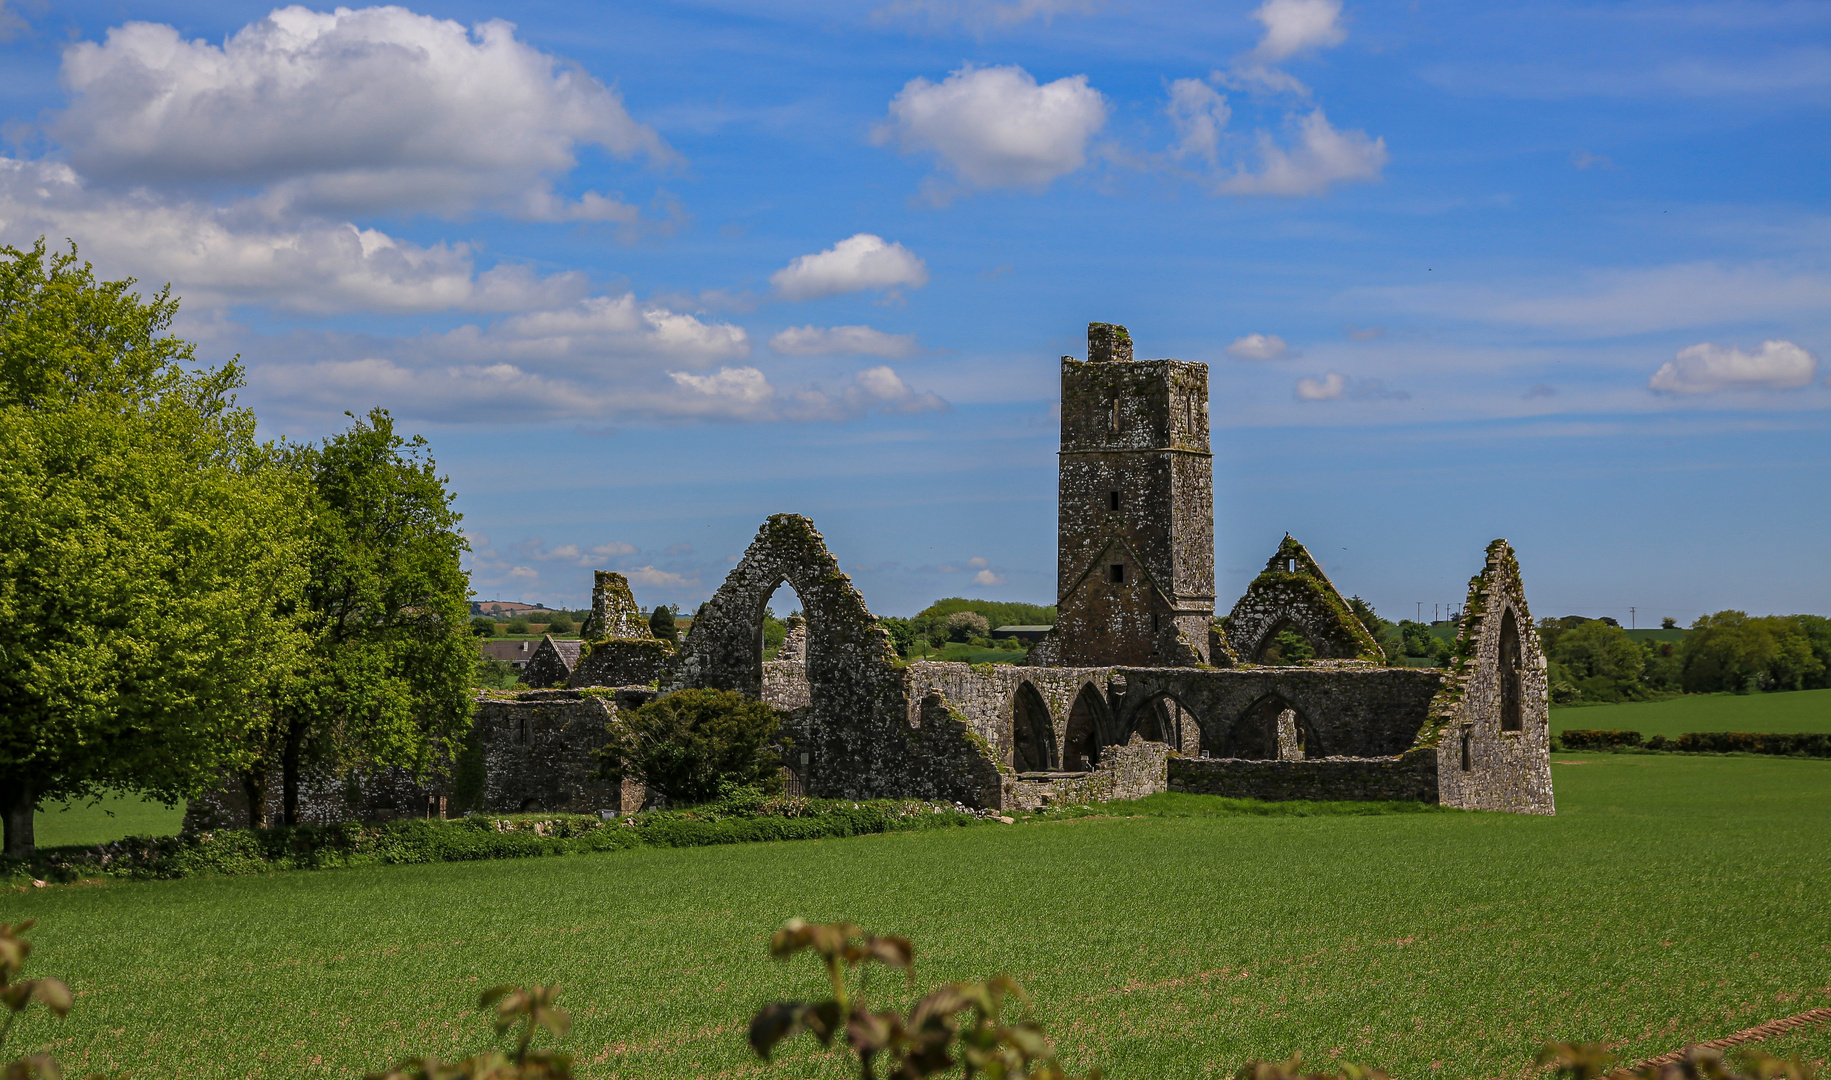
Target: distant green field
[(1784, 713), (1672, 899), (111, 818)]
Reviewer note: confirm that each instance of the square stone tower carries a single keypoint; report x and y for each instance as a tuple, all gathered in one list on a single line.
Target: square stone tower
[(1135, 532)]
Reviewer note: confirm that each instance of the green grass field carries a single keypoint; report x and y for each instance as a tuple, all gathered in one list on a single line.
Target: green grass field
[(1784, 713), (85, 821), (1673, 898)]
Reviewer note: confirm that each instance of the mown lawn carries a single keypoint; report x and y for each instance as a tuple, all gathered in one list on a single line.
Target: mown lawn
[(1673, 898), (97, 821), (1783, 713)]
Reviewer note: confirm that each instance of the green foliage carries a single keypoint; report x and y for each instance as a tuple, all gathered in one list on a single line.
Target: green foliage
[(688, 745), (661, 624), (931, 623), (967, 626), (391, 663), (1590, 739), (1733, 651), (1384, 632), (517, 625), (929, 1039), (903, 636), (1416, 640), (483, 628), (561, 626), (151, 549), (1289, 647), (530, 1008), (494, 674), (1600, 660)]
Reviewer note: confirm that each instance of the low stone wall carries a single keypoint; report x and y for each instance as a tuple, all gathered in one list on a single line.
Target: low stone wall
[(1132, 771), (1408, 777), (325, 798)]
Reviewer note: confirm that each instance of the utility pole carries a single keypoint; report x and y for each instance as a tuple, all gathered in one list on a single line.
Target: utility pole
[(1420, 611), (1632, 625)]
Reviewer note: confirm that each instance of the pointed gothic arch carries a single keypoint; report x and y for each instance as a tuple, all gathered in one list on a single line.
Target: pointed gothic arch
[(1081, 746), (1272, 728), (1512, 675), (1032, 732)]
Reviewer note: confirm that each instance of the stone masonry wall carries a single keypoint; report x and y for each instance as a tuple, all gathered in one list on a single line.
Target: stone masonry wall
[(1135, 491), (538, 750), (1293, 591), (1410, 777), (1132, 771), (861, 736), (325, 798), (1505, 770)]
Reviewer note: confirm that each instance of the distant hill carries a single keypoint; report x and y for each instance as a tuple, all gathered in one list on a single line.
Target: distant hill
[(506, 607)]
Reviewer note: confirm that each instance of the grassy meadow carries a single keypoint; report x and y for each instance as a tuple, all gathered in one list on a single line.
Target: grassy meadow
[(1672, 898), (1791, 712)]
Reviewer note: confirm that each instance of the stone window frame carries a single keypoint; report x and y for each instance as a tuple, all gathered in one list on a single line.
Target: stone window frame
[(1509, 621)]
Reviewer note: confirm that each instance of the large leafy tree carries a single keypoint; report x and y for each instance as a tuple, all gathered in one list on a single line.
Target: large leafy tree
[(150, 547), (386, 677)]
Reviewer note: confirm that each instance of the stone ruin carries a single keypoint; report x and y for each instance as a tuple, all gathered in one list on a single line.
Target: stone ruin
[(1138, 687)]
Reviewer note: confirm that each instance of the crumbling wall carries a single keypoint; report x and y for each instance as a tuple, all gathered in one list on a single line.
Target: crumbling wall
[(621, 662), (1482, 764), (1408, 777), (552, 664), (618, 649), (539, 747), (1293, 592), (1131, 771), (855, 732)]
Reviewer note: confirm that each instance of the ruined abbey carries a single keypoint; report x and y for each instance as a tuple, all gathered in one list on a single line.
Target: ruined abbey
[(1139, 687)]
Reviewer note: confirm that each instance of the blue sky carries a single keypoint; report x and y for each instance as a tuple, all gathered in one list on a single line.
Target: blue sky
[(645, 274)]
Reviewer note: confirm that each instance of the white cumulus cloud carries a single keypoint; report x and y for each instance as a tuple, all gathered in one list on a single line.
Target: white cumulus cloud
[(1322, 157), (1707, 368), (862, 261), (350, 110), (1328, 388), (995, 127), (842, 341), (1260, 347), (1200, 115), (987, 577), (1291, 26)]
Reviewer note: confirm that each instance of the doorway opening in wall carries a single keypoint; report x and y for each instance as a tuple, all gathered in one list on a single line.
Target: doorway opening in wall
[(1272, 729), (782, 629), (1081, 745), (1032, 732)]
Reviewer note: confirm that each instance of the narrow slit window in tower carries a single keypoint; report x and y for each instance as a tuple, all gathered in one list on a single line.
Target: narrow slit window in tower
[(1115, 416), (1112, 501), (1468, 737), (1116, 573)]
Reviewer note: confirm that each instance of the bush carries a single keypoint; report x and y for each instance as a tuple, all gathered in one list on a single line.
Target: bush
[(967, 625), (1583, 739), (561, 625), (661, 624), (690, 745), (517, 625), (1748, 742), (483, 627)]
